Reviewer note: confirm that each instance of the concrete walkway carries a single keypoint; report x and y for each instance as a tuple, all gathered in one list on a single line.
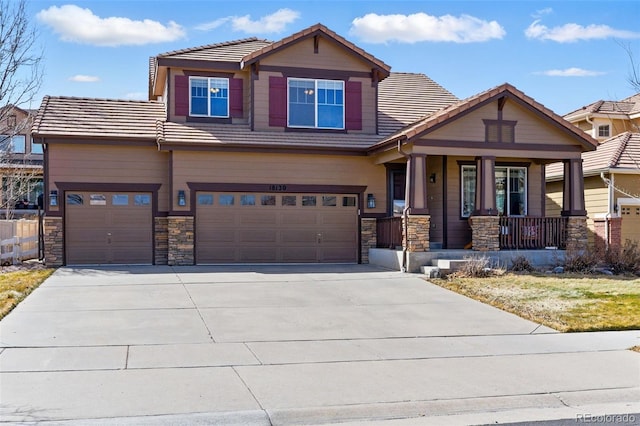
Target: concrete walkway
[(261, 345)]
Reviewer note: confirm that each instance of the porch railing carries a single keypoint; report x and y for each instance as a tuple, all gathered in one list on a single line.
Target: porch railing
[(389, 232), (533, 232)]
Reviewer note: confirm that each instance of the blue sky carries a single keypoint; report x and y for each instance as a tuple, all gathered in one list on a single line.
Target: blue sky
[(564, 54)]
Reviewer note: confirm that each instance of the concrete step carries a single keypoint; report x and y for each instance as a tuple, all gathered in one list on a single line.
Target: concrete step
[(431, 271), (449, 265)]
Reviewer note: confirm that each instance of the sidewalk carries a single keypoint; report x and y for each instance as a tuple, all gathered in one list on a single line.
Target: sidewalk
[(294, 345)]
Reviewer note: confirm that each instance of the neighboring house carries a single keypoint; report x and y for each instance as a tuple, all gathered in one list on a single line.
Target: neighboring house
[(611, 173), (300, 150), (20, 163), (605, 119)]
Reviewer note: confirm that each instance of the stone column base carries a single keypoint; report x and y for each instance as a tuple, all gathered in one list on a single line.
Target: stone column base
[(180, 240), (485, 233), (161, 240), (53, 241), (417, 232), (577, 233), (368, 237)]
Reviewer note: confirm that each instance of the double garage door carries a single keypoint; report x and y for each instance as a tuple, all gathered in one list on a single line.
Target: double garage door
[(115, 227), (108, 227), (287, 228), (630, 222)]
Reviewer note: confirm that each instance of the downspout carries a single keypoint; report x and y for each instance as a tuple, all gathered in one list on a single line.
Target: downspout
[(593, 130), (608, 215), (405, 212)]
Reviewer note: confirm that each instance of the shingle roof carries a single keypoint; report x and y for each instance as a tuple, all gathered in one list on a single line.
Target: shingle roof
[(313, 30), (630, 105), (454, 110), (619, 152), (99, 118), (230, 51), (225, 135), (404, 98)]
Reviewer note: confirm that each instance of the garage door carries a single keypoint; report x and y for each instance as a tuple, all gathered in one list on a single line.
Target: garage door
[(630, 222), (108, 227), (264, 228)]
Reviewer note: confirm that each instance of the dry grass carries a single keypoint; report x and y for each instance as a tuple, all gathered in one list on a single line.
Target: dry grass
[(16, 285), (563, 302)]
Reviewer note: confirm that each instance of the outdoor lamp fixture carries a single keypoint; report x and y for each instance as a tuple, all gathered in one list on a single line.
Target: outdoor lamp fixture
[(182, 199), (432, 178), (53, 197), (371, 201)]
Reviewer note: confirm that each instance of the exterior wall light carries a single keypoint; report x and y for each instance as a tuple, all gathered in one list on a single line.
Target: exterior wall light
[(432, 178), (53, 197), (182, 199), (371, 201)]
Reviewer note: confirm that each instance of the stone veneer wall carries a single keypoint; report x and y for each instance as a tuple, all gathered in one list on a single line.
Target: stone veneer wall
[(161, 240), (180, 240), (417, 232), (577, 233), (485, 231), (368, 237), (53, 241)]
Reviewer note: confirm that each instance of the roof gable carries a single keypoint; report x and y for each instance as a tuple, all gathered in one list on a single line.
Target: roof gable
[(466, 106), (314, 31)]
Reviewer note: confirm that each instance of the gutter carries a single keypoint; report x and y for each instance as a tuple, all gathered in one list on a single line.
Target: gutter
[(405, 212)]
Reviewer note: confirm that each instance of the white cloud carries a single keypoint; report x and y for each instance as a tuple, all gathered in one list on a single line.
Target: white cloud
[(136, 96), (274, 23), (571, 72), (79, 25), (80, 78), (569, 33), (542, 12), (422, 27)]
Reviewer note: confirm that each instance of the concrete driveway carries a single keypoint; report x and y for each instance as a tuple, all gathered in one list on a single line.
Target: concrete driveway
[(294, 345)]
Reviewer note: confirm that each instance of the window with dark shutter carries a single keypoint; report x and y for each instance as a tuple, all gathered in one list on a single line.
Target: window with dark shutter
[(353, 105), (181, 93), (235, 97)]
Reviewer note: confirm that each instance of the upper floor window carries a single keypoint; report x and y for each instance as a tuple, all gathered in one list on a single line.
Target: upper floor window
[(209, 97), (14, 144), (315, 103), (603, 131), (500, 130), (36, 148)]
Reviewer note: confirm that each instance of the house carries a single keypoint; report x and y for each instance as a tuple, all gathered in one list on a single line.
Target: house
[(20, 163), (611, 173), (307, 149)]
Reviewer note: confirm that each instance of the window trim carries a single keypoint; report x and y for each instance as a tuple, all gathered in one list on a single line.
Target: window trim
[(602, 127), (209, 80), (316, 103)]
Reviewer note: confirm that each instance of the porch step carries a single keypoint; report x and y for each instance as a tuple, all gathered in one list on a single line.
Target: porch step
[(431, 271), (450, 265)]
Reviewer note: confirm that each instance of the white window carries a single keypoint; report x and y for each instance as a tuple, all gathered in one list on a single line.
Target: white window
[(315, 103), (13, 143), (511, 190), (603, 131), (209, 97)]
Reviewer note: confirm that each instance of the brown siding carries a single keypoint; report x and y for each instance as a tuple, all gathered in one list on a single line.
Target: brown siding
[(280, 169), (554, 199), (109, 164), (329, 56)]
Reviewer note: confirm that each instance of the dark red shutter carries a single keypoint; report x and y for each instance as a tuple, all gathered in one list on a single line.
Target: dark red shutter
[(277, 101), (236, 101), (353, 105), (182, 95)]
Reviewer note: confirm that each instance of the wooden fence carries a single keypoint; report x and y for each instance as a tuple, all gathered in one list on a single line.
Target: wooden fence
[(18, 241), (533, 232)]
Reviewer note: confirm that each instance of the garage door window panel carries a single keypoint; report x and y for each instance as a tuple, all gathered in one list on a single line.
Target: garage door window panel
[(289, 200), (268, 200), (248, 200), (142, 200), (205, 199), (308, 200), (226, 200), (75, 200), (329, 201), (120, 200)]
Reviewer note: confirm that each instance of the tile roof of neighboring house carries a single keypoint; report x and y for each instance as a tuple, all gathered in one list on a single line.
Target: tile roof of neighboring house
[(97, 118), (405, 98), (619, 152), (230, 51), (311, 31), (453, 111), (221, 135), (625, 107)]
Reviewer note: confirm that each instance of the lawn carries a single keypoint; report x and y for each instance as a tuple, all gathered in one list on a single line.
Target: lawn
[(563, 302), (16, 285)]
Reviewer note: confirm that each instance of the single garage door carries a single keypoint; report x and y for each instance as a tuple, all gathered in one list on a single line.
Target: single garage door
[(268, 228), (108, 227), (630, 222)]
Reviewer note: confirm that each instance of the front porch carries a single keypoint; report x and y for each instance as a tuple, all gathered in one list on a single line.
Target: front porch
[(402, 243)]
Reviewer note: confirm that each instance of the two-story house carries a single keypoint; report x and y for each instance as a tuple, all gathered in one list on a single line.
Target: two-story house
[(611, 173), (299, 150), (20, 163)]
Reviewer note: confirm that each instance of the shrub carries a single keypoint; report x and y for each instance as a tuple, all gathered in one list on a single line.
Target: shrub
[(521, 264), (582, 261), (477, 267), (625, 260)]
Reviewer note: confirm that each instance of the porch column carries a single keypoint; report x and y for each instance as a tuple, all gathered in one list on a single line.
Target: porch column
[(573, 189), (180, 240), (485, 202), (416, 186), (417, 223)]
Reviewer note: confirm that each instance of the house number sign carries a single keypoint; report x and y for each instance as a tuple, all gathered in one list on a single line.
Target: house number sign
[(277, 187)]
